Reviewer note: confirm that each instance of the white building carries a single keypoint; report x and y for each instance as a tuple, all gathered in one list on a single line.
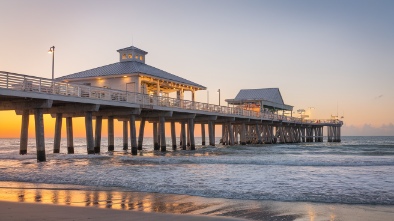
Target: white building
[(133, 75)]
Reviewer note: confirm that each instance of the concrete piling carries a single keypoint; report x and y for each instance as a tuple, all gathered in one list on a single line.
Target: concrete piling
[(163, 144), (111, 134), (183, 135), (133, 136), (24, 132), (203, 134), (141, 134), (173, 135), (97, 137), (191, 134), (70, 138), (155, 137), (58, 133), (125, 135), (89, 132), (40, 138)]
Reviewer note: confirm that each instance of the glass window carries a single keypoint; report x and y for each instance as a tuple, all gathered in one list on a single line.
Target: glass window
[(130, 55), (124, 56), (141, 57)]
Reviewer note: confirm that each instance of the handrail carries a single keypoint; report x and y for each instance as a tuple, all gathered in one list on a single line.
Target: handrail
[(20, 82)]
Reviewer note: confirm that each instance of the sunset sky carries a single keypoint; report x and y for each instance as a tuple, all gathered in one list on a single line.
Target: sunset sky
[(334, 56)]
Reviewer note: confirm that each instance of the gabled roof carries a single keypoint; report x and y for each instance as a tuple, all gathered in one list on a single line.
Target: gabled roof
[(130, 67), (269, 96), (132, 48)]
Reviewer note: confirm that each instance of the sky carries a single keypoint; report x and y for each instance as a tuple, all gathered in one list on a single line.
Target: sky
[(327, 57)]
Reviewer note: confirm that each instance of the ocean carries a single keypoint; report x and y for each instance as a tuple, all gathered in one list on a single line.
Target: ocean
[(357, 171)]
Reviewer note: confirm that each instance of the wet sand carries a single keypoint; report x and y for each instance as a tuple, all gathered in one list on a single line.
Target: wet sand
[(11, 211), (28, 201)]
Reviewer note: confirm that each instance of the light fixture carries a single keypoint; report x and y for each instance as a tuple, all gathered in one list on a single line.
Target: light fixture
[(52, 51)]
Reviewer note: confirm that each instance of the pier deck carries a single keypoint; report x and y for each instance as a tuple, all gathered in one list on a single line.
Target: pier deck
[(34, 95)]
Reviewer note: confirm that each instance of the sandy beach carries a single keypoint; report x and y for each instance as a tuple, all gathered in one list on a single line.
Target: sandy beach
[(28, 201), (11, 211)]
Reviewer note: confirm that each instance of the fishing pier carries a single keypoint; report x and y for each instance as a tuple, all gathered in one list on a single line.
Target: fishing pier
[(131, 91)]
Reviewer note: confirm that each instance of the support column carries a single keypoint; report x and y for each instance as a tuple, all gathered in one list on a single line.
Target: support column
[(188, 135), (243, 134), (155, 137), (111, 135), (58, 133), (163, 144), (259, 140), (40, 138), (133, 136), (141, 135), (97, 140), (211, 131), (173, 135), (191, 134), (203, 134), (183, 135), (125, 135), (231, 133), (89, 132), (24, 132), (70, 138)]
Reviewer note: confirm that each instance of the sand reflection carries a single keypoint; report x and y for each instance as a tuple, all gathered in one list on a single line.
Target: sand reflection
[(182, 204)]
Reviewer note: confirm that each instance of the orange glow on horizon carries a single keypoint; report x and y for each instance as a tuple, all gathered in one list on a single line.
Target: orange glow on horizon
[(10, 127)]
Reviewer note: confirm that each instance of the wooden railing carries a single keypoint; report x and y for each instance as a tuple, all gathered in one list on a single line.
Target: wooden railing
[(28, 83)]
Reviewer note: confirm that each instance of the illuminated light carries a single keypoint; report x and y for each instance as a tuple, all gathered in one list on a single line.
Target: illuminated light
[(125, 76)]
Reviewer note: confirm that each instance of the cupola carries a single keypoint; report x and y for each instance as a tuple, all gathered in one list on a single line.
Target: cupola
[(132, 54)]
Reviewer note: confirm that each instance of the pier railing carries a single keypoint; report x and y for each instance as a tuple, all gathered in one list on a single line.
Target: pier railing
[(28, 83)]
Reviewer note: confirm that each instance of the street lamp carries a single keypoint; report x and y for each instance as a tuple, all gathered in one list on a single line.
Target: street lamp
[(219, 96), (310, 112), (52, 51)]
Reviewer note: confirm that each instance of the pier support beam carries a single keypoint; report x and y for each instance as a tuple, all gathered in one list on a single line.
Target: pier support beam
[(173, 135), (163, 144), (70, 138), (24, 132), (183, 135), (40, 138), (258, 132), (125, 135), (231, 134), (191, 134), (203, 134), (155, 137), (211, 131), (111, 138), (141, 134), (243, 134), (133, 136), (97, 137), (58, 133), (89, 132)]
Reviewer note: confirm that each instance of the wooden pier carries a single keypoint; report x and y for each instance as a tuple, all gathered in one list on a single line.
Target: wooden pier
[(29, 95)]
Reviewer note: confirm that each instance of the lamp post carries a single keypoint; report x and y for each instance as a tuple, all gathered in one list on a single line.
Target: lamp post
[(310, 112), (52, 51), (219, 96)]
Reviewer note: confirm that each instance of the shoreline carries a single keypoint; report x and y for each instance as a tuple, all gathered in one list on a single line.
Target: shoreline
[(170, 206)]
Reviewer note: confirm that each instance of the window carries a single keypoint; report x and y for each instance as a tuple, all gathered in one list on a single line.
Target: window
[(124, 56), (141, 57), (130, 55)]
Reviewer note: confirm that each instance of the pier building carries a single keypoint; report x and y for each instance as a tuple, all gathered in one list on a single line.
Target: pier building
[(130, 91)]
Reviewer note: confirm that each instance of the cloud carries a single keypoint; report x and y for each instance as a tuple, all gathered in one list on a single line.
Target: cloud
[(368, 130)]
